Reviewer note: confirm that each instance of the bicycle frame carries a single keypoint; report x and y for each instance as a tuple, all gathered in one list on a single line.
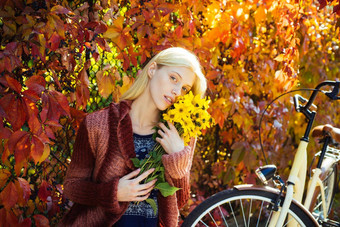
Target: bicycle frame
[(297, 177)]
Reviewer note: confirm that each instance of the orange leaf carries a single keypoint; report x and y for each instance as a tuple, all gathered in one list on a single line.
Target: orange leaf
[(37, 149), (127, 82), (41, 220), (9, 196), (260, 15), (58, 9), (4, 175), (106, 84)]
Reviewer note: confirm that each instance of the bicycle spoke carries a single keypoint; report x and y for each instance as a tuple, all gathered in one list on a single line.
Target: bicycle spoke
[(251, 203), (212, 219), (244, 216), (225, 222), (232, 211), (204, 223), (269, 217), (258, 220)]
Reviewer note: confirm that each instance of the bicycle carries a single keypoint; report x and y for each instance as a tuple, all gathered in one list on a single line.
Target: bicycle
[(281, 205)]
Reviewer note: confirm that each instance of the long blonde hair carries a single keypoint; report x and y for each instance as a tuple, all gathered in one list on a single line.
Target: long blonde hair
[(173, 56)]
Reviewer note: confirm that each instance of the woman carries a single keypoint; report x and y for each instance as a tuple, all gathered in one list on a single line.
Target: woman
[(101, 179)]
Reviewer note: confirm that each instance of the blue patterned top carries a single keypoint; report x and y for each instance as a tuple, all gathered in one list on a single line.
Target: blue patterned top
[(141, 214)]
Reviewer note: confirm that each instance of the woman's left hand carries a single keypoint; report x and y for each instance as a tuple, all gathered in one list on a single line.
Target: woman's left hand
[(170, 139)]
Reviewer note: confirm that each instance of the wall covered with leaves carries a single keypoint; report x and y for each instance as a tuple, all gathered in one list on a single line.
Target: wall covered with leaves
[(61, 59)]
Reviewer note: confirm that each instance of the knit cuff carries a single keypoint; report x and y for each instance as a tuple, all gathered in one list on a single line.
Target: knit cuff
[(178, 164), (109, 197)]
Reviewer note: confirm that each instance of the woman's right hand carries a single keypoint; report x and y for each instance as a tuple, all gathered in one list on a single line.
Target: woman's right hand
[(130, 189)]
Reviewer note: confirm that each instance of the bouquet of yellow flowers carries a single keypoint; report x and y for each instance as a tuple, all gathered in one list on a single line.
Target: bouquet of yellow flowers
[(190, 116)]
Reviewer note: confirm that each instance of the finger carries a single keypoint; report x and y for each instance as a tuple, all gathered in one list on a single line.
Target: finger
[(144, 192), (144, 175), (148, 185), (161, 133), (171, 126), (142, 198), (163, 127), (132, 174)]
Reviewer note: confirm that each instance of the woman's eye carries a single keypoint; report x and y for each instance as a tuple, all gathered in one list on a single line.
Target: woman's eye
[(173, 78), (185, 89)]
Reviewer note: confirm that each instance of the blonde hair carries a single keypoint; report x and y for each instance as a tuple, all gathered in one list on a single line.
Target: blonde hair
[(173, 56)]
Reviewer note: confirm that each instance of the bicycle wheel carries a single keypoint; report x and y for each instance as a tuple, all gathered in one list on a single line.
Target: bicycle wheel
[(329, 182), (246, 207)]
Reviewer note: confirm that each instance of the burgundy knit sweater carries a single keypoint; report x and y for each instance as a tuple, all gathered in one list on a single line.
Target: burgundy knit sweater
[(101, 156)]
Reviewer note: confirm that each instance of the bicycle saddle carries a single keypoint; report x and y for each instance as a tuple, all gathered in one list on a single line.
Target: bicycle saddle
[(327, 130)]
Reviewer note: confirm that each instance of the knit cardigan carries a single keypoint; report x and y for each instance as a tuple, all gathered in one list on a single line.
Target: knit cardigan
[(102, 155)]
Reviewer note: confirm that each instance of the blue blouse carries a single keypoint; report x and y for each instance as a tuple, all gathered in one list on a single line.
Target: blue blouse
[(140, 214)]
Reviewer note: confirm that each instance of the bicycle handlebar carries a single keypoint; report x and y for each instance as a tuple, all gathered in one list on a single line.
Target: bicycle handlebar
[(332, 95)]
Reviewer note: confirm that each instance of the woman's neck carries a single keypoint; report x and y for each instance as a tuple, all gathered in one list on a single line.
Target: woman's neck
[(144, 115)]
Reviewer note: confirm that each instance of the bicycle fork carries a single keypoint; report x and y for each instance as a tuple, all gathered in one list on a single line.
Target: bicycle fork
[(295, 186)]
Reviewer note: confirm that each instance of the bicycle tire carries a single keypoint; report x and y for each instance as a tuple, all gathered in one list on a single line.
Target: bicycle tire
[(242, 214), (330, 184)]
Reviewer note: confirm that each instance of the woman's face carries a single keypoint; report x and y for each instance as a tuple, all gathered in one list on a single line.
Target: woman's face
[(169, 82)]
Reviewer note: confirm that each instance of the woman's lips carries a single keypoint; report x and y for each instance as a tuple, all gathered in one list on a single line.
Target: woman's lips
[(168, 100)]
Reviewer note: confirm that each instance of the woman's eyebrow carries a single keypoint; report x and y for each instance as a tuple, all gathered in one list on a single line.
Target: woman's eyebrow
[(177, 74)]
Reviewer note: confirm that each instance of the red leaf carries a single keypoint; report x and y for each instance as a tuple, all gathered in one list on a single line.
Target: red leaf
[(62, 102), (49, 132), (41, 220), (8, 218), (9, 196), (22, 150), (37, 149), (11, 46), (24, 191), (13, 84), (44, 191), (336, 9), (5, 133), (15, 138), (101, 28), (54, 41), (26, 223), (36, 83), (103, 44), (323, 3)]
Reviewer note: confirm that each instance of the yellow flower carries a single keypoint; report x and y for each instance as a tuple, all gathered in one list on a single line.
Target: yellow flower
[(189, 115)]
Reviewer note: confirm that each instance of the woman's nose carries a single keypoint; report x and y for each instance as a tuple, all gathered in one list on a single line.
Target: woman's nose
[(176, 91)]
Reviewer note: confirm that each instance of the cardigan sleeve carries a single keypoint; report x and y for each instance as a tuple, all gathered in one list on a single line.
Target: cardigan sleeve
[(178, 164), (177, 167), (79, 187)]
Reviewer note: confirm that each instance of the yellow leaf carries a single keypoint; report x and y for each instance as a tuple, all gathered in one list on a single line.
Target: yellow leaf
[(111, 33), (46, 153), (279, 58)]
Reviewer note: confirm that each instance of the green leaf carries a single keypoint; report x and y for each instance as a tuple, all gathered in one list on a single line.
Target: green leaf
[(152, 204), (166, 189), (136, 162)]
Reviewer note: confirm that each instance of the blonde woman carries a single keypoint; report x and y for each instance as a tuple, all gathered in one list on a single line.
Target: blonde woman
[(102, 180)]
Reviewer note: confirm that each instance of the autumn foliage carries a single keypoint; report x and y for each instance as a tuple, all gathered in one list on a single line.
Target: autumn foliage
[(62, 59)]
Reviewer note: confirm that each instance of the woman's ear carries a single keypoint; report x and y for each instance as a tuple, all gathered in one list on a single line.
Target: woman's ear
[(152, 69)]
